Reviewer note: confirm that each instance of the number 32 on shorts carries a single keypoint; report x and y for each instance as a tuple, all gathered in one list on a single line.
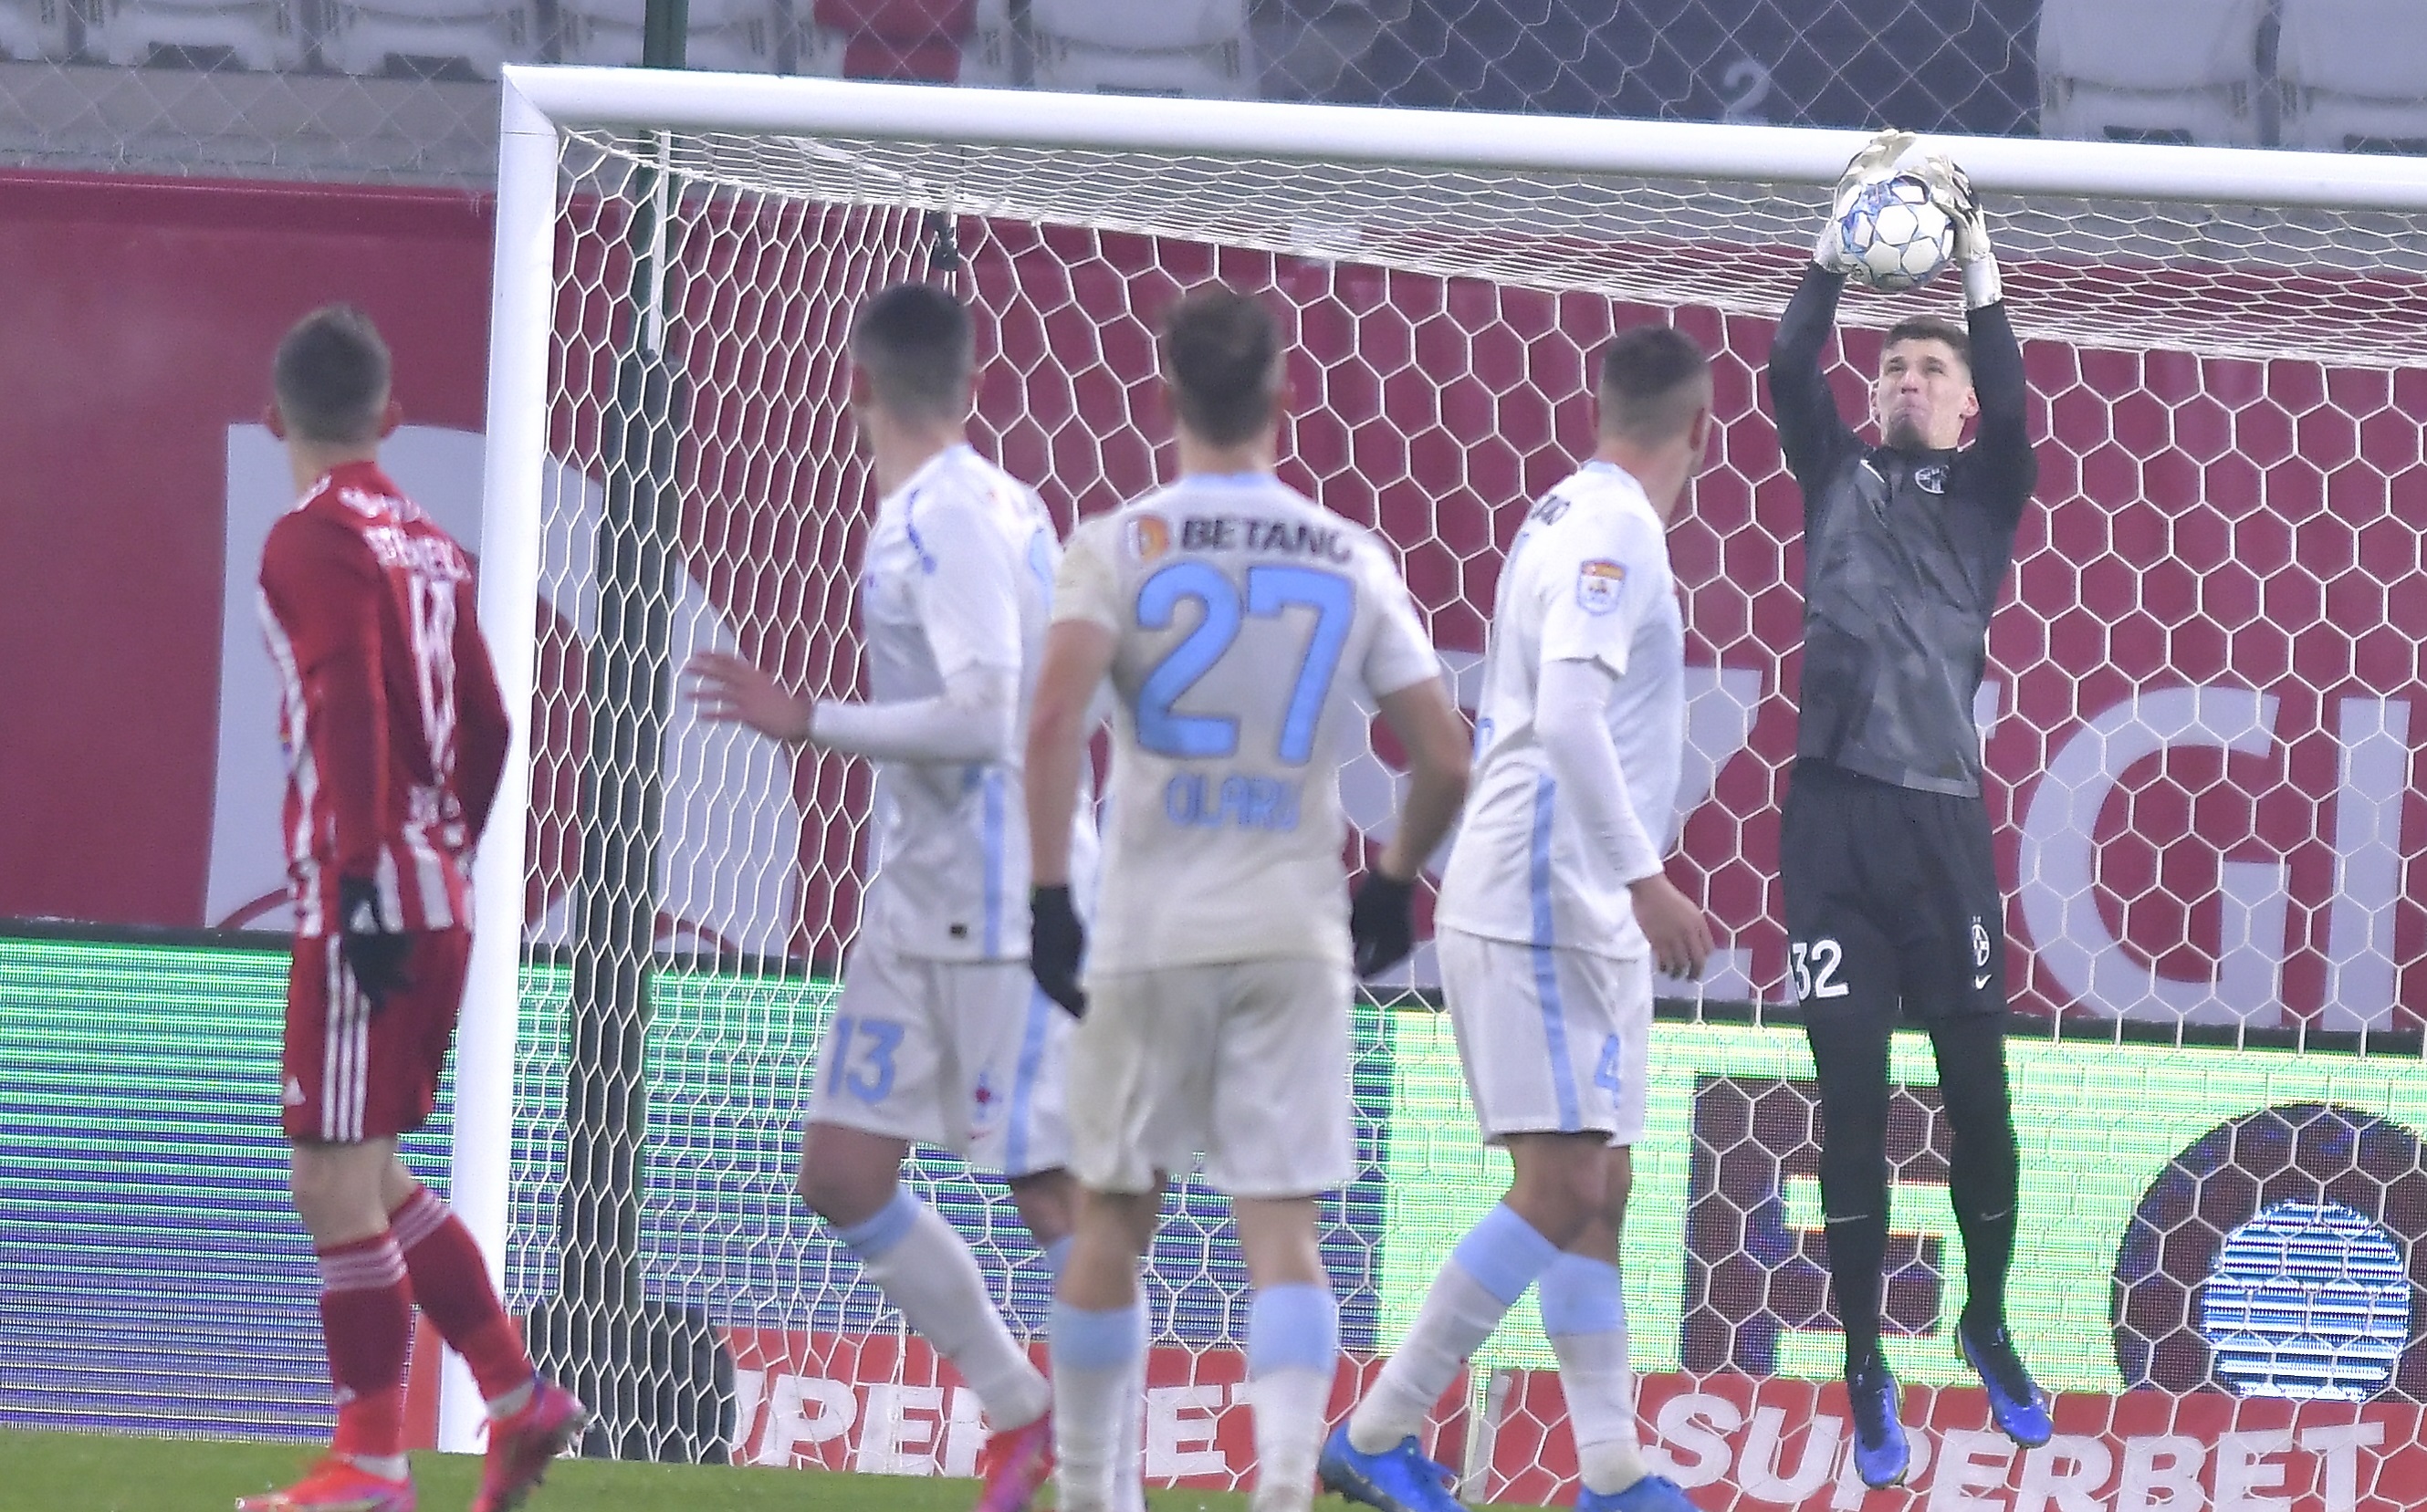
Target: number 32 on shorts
[(1814, 965)]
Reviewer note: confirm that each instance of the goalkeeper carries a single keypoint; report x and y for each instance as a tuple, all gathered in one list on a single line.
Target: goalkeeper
[(1893, 906)]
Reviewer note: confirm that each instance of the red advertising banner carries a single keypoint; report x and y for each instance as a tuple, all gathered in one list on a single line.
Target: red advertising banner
[(886, 1404), (1739, 1444)]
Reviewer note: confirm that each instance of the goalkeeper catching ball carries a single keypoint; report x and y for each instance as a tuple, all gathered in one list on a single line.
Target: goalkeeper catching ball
[(1894, 910)]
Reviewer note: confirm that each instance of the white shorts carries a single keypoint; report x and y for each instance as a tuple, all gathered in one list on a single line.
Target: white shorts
[(1245, 1062), (1552, 1040), (964, 1055)]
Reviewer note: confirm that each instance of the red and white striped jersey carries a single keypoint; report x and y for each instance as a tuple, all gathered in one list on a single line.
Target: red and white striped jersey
[(394, 731)]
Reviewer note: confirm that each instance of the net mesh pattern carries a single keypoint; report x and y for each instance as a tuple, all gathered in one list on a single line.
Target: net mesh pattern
[(2197, 728)]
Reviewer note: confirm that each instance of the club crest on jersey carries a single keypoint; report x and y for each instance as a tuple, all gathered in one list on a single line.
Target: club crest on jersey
[(1980, 943), (1149, 537), (1599, 583), (1930, 477)]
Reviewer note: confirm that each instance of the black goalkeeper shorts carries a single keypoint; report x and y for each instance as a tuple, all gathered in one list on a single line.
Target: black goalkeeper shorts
[(1892, 900)]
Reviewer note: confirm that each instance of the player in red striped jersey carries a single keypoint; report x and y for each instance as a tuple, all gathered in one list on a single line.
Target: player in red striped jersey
[(396, 737)]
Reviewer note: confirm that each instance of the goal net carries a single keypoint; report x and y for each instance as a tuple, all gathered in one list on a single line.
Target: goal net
[(2197, 724)]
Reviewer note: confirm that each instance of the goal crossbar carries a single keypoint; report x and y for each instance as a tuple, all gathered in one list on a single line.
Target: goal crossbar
[(683, 101)]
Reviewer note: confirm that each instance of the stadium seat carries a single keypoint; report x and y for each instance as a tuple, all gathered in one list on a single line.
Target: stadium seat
[(1191, 47), (726, 36), (32, 29), (427, 39), (986, 57), (2179, 70), (917, 41), (203, 34), (2353, 75)]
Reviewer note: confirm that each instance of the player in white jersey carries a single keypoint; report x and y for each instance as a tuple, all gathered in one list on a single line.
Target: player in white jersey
[(940, 1037), (1238, 623), (1553, 911)]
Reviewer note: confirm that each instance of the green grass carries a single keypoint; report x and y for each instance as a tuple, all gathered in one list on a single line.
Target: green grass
[(105, 1473)]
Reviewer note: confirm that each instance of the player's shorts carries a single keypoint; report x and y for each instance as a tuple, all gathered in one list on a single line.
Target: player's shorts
[(355, 1072), (1246, 1064), (964, 1055), (1892, 900), (1552, 1041)]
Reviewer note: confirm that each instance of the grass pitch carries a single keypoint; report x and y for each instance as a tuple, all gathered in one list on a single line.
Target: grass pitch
[(99, 1472)]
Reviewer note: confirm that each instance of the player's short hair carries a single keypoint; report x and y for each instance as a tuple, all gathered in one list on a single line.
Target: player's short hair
[(331, 377), (1221, 354), (1653, 381), (1929, 328), (917, 346)]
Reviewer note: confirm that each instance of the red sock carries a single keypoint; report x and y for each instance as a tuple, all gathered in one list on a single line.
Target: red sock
[(452, 1286), (368, 1321)]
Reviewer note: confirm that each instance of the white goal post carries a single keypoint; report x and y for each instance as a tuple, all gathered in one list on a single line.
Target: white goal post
[(2224, 255)]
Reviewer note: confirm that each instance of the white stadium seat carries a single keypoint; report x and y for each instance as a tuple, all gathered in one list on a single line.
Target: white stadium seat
[(430, 38), (726, 36), (987, 57), (258, 34), (2353, 75), (1191, 47), (32, 29), (2151, 69)]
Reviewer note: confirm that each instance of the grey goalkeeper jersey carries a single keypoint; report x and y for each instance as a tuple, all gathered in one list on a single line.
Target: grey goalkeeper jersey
[(1904, 556)]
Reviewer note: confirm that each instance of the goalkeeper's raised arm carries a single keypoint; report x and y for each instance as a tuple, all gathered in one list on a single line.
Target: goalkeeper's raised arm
[(2002, 445)]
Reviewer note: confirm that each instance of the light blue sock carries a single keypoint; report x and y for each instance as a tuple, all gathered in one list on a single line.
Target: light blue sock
[(1581, 1295), (1098, 1360), (872, 1236), (1503, 1253), (1292, 1328), (1293, 1357)]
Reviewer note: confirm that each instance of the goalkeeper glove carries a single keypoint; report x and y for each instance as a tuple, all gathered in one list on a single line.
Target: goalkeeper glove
[(373, 951), (1381, 929), (1951, 187), (1056, 940), (1875, 162)]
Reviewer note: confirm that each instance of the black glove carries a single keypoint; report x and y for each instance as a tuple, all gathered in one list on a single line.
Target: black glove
[(373, 951), (1056, 940), (1381, 924)]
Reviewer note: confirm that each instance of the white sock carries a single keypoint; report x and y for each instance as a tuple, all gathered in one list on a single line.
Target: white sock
[(1600, 1392), (1483, 1278), (1289, 1436), (924, 1268), (1292, 1358), (1099, 1401), (1584, 1310), (386, 1467), (1129, 1440)]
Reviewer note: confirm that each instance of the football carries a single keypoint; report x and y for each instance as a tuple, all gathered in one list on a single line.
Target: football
[(1895, 236)]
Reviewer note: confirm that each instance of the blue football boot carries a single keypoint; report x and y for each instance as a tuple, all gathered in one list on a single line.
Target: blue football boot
[(1653, 1493), (2016, 1404), (1881, 1455), (1399, 1479)]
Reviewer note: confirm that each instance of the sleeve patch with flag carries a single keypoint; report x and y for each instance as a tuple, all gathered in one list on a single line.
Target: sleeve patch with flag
[(1599, 583)]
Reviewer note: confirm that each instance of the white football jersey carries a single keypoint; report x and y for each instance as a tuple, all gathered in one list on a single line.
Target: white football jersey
[(1586, 578), (1249, 621), (959, 573)]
